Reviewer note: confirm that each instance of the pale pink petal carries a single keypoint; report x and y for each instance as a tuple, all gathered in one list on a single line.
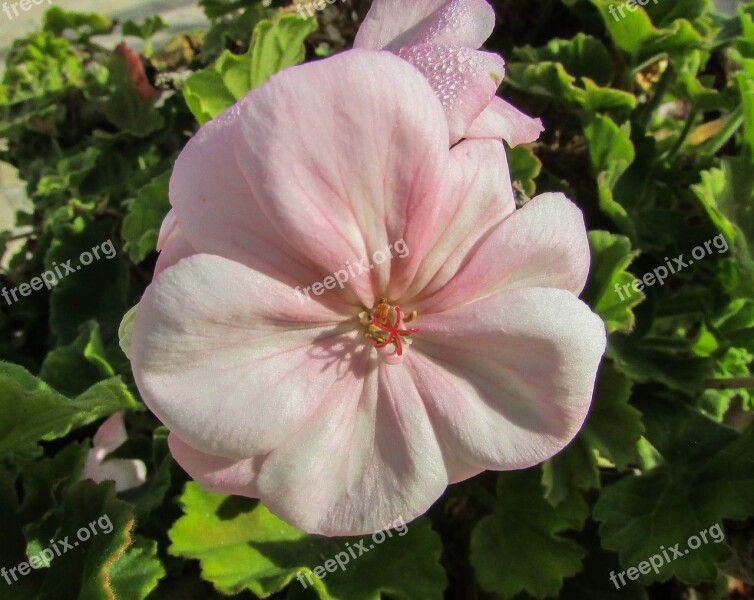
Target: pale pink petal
[(508, 380), (503, 120), (343, 175), (215, 473), (236, 361), (127, 474), (168, 227), (366, 460), (464, 79), (392, 24), (479, 195), (111, 434), (176, 248), (217, 209), (543, 244)]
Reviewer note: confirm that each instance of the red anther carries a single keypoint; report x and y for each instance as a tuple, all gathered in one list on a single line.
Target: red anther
[(395, 333)]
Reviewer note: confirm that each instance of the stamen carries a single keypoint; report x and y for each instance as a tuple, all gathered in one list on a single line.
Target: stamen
[(382, 331)]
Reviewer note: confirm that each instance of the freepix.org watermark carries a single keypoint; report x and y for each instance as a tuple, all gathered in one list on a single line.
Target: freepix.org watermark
[(631, 5), (24, 5), (57, 548), (341, 559), (658, 560), (50, 279), (661, 273), (342, 276)]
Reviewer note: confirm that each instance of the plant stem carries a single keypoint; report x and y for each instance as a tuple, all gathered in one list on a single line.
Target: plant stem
[(684, 133), (668, 76), (734, 383)]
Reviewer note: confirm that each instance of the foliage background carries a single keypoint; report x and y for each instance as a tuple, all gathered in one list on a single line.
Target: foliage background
[(649, 128)]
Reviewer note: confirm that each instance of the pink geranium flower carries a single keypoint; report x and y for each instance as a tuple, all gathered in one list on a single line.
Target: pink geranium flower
[(441, 38), (359, 406), (126, 474)]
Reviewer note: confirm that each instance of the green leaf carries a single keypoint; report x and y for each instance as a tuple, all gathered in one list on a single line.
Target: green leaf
[(666, 13), (137, 571), (44, 483), (37, 69), (275, 45), (573, 72), (145, 215), (31, 411), (524, 167), (206, 92), (146, 29), (57, 20), (125, 331), (613, 426), (675, 370), (242, 546), (12, 550), (612, 430), (605, 291), (72, 369), (104, 298), (593, 583), (745, 81), (86, 534), (124, 108), (278, 44), (69, 172), (734, 362), (726, 194), (636, 35), (736, 323), (667, 505), (611, 152), (582, 56), (573, 468), (525, 530), (551, 80), (85, 571)]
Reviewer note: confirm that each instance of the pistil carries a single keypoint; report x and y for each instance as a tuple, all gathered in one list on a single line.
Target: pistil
[(383, 326)]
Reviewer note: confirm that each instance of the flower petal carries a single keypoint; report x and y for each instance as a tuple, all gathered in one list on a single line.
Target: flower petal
[(392, 24), (383, 461), (343, 175), (167, 229), (503, 120), (465, 80), (127, 474), (175, 248), (217, 210), (111, 434), (216, 473), (543, 244), (479, 196), (510, 377), (234, 361)]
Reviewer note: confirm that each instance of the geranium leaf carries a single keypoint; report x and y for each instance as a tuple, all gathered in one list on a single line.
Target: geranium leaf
[(275, 45), (681, 498), (525, 530), (31, 411), (242, 546), (145, 215)]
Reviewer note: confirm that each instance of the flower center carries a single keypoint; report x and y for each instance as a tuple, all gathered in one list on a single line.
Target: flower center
[(383, 325)]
